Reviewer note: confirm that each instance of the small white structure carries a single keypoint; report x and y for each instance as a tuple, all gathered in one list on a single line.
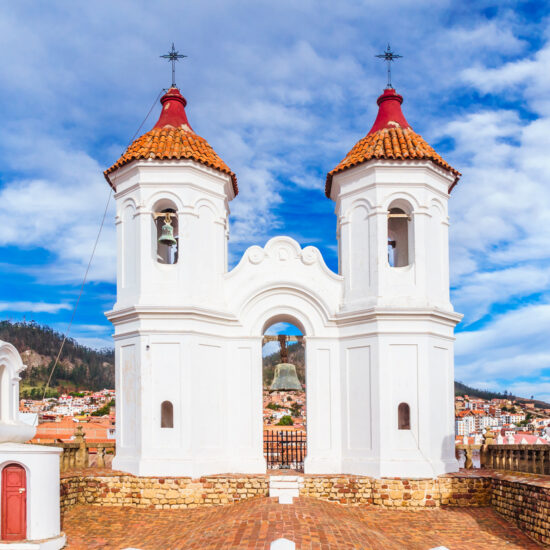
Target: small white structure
[(282, 544), (29, 490), (188, 332), (285, 488)]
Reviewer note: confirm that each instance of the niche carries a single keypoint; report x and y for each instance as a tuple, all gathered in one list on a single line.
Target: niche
[(403, 416), (167, 415)]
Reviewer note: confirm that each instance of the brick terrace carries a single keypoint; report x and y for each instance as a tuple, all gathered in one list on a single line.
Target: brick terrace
[(311, 523)]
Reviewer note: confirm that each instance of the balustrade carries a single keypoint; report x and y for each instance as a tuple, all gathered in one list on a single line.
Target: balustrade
[(533, 459), (76, 453)]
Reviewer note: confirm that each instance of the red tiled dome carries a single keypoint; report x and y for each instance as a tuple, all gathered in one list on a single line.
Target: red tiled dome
[(390, 137), (173, 138)]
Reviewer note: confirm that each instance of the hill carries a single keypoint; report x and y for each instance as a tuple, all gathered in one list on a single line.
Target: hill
[(463, 389), (79, 367)]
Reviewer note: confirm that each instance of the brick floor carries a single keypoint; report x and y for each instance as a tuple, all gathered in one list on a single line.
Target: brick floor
[(312, 524)]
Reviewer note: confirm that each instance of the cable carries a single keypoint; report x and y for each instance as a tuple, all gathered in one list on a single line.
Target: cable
[(92, 256)]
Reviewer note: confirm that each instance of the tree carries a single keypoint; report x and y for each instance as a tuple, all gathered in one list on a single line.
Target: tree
[(296, 409), (105, 409), (286, 420)]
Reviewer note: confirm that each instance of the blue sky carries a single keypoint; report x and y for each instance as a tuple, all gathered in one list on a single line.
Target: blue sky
[(282, 90)]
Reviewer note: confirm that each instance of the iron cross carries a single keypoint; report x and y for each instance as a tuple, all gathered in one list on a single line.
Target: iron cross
[(173, 56), (388, 56)]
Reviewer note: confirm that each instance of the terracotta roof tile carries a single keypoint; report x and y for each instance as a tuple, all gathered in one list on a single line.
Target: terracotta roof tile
[(172, 138), (390, 138)]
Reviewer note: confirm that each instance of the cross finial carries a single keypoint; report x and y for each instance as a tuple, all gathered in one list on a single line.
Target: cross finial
[(173, 56), (388, 56)]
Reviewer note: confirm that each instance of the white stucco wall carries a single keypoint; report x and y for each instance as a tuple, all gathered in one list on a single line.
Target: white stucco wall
[(375, 336)]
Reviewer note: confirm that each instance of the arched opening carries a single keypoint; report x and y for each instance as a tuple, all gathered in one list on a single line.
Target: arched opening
[(167, 415), (404, 416), (284, 396), (399, 236), (165, 233), (4, 394)]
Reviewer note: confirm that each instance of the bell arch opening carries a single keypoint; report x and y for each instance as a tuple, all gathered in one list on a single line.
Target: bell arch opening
[(165, 232), (400, 249), (284, 394)]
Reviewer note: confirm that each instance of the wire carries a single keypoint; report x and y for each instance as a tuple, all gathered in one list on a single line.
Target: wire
[(92, 257)]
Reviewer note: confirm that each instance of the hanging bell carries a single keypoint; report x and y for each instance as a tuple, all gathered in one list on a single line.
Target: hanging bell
[(285, 378), (167, 233)]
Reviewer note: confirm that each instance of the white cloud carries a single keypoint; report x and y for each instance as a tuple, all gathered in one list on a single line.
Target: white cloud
[(513, 345), (499, 211), (482, 289), (57, 205), (34, 307)]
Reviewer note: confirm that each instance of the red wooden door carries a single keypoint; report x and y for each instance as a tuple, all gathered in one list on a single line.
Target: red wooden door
[(14, 503)]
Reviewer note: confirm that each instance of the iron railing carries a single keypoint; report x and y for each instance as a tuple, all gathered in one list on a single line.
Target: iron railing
[(285, 449)]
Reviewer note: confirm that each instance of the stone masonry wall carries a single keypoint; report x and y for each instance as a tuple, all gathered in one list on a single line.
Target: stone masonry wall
[(525, 502), (152, 492), (400, 493), (342, 489)]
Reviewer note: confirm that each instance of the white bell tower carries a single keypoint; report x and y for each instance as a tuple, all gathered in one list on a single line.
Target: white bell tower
[(189, 333), (172, 194), (391, 193)]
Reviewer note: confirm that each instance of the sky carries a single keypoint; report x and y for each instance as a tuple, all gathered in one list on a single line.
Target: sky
[(282, 91)]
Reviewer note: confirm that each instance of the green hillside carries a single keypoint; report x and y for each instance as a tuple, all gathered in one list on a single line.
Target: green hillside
[(79, 367)]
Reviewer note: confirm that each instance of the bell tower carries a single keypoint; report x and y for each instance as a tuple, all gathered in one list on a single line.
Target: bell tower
[(172, 195), (391, 193)]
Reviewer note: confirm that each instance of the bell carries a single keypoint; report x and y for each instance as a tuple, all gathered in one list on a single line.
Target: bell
[(285, 378), (167, 234)]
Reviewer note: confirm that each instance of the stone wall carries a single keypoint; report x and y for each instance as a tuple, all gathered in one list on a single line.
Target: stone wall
[(153, 492), (112, 489), (342, 489), (525, 501), (400, 493)]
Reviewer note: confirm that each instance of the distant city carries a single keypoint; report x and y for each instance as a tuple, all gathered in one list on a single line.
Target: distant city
[(512, 422)]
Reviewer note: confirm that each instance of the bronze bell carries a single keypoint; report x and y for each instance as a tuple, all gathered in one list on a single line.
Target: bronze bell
[(285, 378), (167, 233)]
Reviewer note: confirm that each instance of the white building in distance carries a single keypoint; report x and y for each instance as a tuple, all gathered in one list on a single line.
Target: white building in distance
[(188, 331)]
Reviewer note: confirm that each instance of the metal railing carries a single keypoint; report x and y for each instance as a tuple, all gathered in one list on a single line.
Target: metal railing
[(285, 449)]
